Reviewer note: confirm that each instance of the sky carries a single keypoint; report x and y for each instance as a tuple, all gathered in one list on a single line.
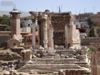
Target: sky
[(75, 6)]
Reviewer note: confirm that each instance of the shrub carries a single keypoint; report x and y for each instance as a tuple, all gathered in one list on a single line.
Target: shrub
[(90, 50)]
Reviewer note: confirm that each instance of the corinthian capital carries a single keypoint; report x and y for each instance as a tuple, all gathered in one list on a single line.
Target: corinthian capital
[(44, 16)]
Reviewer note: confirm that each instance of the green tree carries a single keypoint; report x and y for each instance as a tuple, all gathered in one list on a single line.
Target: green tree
[(5, 20), (91, 28)]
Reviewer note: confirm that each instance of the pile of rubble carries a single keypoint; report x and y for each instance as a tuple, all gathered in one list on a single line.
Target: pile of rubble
[(8, 55), (51, 61)]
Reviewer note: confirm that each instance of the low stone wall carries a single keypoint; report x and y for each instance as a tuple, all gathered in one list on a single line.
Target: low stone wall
[(88, 41), (73, 72)]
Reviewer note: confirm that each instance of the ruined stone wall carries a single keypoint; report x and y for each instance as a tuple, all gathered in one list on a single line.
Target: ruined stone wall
[(41, 32), (58, 23), (88, 41), (12, 43)]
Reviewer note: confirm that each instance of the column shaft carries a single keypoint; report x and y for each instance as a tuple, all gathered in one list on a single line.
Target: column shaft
[(33, 36), (51, 39), (45, 35)]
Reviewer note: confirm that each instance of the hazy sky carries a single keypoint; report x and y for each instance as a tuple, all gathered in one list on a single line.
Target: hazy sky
[(75, 6)]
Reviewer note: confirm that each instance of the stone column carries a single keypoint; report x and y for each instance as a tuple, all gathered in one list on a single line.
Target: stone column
[(45, 34), (72, 35), (66, 36), (33, 30), (51, 39)]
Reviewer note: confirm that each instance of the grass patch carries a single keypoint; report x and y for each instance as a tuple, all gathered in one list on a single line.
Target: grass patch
[(1, 48), (70, 56), (14, 57), (0, 63), (90, 50), (61, 63), (50, 74)]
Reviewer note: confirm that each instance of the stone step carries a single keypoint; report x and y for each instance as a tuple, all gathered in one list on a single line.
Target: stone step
[(47, 68), (57, 61)]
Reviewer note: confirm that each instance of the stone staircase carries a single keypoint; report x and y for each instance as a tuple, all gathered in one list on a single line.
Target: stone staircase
[(57, 61), (52, 62), (47, 68)]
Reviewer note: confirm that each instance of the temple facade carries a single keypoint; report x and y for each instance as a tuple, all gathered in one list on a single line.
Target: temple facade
[(55, 28)]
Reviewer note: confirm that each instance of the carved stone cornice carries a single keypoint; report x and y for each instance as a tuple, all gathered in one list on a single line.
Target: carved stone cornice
[(38, 15)]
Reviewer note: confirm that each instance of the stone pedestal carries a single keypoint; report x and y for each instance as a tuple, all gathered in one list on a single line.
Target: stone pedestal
[(26, 55)]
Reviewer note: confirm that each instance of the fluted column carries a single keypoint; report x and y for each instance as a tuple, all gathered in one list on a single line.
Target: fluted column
[(33, 30), (45, 34)]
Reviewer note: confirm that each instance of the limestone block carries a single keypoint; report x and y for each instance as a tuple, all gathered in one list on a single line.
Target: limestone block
[(41, 48), (0, 73), (4, 67), (61, 47), (79, 48), (6, 73), (13, 71), (29, 62), (16, 73), (34, 56), (57, 56), (79, 57), (38, 55), (21, 74), (55, 73), (71, 48), (32, 72), (85, 48), (31, 48), (50, 48), (61, 72), (56, 47)]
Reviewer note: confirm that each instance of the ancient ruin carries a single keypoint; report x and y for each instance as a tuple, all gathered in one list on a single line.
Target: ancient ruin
[(58, 51), (56, 29), (95, 59)]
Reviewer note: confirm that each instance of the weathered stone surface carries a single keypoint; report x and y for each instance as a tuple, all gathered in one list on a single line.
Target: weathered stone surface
[(8, 55), (6, 73)]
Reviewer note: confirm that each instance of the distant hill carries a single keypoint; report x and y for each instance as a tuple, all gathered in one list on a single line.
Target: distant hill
[(23, 13)]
